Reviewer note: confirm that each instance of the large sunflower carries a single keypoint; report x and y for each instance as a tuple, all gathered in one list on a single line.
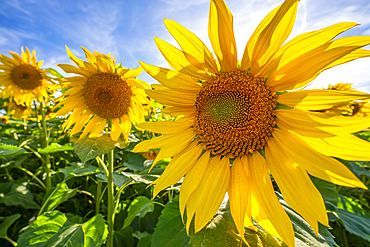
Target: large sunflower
[(23, 79), (237, 128), (103, 92)]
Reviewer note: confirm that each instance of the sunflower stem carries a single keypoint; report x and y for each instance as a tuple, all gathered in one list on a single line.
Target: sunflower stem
[(45, 143), (98, 193), (110, 198)]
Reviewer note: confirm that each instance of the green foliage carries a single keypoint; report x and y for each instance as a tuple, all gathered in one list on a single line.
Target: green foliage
[(8, 150), (13, 194), (140, 206), (55, 147), (56, 196), (90, 148), (78, 170), (54, 229), (4, 226)]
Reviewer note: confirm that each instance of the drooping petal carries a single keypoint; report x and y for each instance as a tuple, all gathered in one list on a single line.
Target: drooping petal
[(302, 44), (239, 194), (348, 147), (171, 78), (318, 99), (213, 188), (221, 34), (77, 61), (271, 34), (129, 73), (267, 210), (192, 180), (319, 125), (181, 164), (178, 60), (316, 164), (72, 69), (193, 47), (296, 186)]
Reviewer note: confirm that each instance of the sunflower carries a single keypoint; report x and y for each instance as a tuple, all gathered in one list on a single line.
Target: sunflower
[(104, 93), (18, 111), (23, 79), (243, 122)]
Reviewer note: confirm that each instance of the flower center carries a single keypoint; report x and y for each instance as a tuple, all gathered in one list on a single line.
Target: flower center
[(234, 113), (26, 76), (107, 95)]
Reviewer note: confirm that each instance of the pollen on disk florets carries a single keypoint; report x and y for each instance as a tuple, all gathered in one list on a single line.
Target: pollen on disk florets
[(107, 95), (234, 113), (26, 76)]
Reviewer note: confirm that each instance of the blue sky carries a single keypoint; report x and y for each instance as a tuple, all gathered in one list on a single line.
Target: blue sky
[(126, 29)]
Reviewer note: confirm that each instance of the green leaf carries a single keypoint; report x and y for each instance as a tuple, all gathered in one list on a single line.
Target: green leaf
[(78, 170), (355, 224), (8, 150), (144, 176), (140, 206), (53, 72), (90, 148), (124, 237), (135, 162), (56, 196), (118, 179), (170, 231), (12, 194), (52, 229), (145, 241), (55, 147), (357, 167), (4, 226), (352, 206), (304, 234)]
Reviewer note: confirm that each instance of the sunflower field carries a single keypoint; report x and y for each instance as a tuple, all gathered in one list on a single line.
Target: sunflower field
[(221, 151)]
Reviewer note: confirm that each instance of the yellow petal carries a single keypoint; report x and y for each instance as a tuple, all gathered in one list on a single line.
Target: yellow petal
[(318, 99), (270, 35), (98, 128), (239, 194), (177, 60), (193, 47), (74, 59), (296, 186), (178, 167), (85, 117), (298, 72), (302, 44), (192, 180), (137, 83), (319, 125), (116, 130), (269, 213), (316, 164), (348, 147), (168, 127), (90, 126), (72, 69), (89, 55), (172, 97), (176, 146), (178, 110), (221, 34), (213, 189), (129, 73), (171, 78)]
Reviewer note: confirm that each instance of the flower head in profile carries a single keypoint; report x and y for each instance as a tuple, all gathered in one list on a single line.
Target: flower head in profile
[(18, 111), (237, 127), (23, 79), (102, 93)]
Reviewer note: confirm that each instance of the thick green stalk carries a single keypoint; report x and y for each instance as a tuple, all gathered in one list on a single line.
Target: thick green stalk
[(45, 143), (110, 198)]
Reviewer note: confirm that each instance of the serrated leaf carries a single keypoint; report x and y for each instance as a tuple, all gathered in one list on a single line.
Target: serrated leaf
[(7, 222), (78, 170), (8, 150), (52, 229), (55, 147), (55, 196), (170, 231), (139, 207), (118, 179), (90, 148), (124, 236), (12, 194)]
